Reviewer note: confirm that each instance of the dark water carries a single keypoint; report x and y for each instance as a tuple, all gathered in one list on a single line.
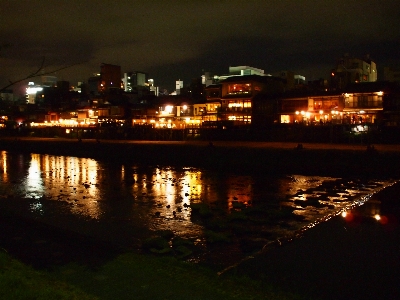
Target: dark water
[(225, 216)]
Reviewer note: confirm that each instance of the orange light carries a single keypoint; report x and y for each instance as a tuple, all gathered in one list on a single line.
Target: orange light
[(384, 220), (348, 216)]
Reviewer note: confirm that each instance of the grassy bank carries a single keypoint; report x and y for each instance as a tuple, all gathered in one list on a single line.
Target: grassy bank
[(18, 281), (129, 276), (93, 269)]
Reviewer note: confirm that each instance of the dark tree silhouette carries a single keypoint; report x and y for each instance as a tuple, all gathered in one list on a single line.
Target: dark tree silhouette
[(37, 73)]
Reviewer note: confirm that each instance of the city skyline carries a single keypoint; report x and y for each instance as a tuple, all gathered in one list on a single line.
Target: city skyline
[(179, 40)]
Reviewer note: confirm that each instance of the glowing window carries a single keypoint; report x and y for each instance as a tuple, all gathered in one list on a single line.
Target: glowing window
[(239, 88), (247, 104)]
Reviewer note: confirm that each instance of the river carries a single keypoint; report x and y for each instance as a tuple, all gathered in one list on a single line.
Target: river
[(219, 217)]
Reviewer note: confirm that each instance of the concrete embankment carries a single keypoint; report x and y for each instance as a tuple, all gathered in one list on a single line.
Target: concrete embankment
[(311, 159)]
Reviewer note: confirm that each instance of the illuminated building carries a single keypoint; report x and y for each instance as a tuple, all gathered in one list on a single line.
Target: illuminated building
[(134, 79), (213, 104), (241, 71), (299, 79), (31, 92), (207, 79), (245, 70), (353, 70), (238, 92), (153, 89), (309, 109), (178, 86), (33, 89), (361, 103)]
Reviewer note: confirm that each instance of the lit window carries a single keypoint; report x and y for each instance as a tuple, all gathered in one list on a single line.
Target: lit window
[(168, 109), (239, 88)]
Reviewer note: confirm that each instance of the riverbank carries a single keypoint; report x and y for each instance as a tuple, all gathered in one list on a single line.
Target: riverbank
[(307, 159), (62, 265)]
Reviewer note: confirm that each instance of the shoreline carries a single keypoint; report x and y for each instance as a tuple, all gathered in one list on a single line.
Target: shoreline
[(311, 159)]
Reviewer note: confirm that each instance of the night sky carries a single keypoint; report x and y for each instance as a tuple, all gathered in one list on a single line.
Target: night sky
[(174, 40)]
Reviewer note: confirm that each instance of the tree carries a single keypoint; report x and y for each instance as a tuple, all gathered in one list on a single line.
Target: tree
[(37, 73)]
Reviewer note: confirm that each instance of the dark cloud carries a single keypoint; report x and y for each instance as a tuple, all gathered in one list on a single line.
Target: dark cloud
[(178, 39)]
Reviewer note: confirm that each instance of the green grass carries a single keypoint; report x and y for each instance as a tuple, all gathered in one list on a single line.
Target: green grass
[(129, 276), (18, 281)]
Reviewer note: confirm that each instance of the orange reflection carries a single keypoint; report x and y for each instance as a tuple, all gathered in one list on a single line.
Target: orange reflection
[(3, 156), (160, 198), (68, 179)]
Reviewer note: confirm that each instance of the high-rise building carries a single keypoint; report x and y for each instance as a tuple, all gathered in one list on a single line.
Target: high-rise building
[(178, 86), (110, 77), (153, 89), (207, 79), (94, 84), (134, 79), (31, 92)]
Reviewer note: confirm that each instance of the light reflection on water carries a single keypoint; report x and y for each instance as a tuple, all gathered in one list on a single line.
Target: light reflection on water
[(123, 201)]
